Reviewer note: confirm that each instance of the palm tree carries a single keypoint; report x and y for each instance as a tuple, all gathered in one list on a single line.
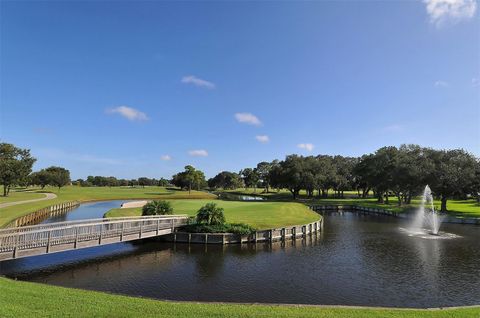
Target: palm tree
[(210, 214), (157, 208)]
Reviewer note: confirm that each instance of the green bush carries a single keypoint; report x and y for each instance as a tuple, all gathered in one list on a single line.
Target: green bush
[(210, 214), (240, 228), (157, 207)]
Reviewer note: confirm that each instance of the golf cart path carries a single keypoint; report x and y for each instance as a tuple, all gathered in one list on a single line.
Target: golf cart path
[(48, 196)]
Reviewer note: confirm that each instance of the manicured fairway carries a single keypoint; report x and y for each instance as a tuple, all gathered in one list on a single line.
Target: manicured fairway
[(458, 208), (94, 194), (261, 215), (22, 299)]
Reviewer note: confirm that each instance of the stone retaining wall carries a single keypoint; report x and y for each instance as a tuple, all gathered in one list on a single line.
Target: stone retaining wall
[(271, 235), (43, 214)]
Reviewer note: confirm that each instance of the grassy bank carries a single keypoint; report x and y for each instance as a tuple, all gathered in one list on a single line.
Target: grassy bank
[(16, 196), (458, 208), (71, 193), (23, 299), (261, 215)]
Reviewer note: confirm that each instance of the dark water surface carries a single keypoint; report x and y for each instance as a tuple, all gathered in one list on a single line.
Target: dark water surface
[(357, 260)]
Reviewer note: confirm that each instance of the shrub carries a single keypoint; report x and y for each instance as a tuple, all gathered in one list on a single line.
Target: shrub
[(157, 208), (238, 228), (210, 214)]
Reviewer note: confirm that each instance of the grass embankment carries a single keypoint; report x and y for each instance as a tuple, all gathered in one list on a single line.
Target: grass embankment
[(23, 299), (16, 196), (260, 215), (458, 208), (84, 194)]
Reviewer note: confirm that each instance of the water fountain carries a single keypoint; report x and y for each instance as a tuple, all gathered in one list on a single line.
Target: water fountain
[(426, 215), (427, 221)]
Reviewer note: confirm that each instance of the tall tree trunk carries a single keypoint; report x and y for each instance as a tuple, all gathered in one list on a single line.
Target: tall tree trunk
[(380, 197), (386, 197), (5, 190), (443, 207)]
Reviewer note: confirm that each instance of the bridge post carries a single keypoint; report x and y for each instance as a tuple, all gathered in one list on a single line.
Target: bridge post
[(173, 225), (141, 226), (76, 237), (15, 244), (48, 241), (101, 232), (158, 226)]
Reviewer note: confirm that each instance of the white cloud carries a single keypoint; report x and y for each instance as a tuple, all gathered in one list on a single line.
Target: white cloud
[(128, 112), (307, 147), (393, 128), (191, 79), (440, 83), (475, 82), (262, 138), (198, 153), (441, 11), (166, 157), (248, 118)]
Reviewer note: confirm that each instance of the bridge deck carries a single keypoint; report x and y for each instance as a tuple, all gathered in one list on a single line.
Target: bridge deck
[(63, 236)]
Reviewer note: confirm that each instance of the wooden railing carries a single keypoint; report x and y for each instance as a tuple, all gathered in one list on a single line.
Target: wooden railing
[(62, 236)]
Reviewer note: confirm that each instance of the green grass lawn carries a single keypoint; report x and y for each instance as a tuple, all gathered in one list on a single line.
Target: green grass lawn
[(71, 193), (458, 208), (21, 196), (261, 215), (23, 299)]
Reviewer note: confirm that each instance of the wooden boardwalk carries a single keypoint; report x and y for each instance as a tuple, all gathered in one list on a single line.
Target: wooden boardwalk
[(42, 239)]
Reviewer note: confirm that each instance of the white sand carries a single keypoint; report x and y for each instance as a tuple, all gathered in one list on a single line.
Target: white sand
[(134, 204)]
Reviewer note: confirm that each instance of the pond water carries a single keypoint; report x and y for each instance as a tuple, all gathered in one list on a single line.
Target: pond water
[(239, 197), (91, 210), (357, 260)]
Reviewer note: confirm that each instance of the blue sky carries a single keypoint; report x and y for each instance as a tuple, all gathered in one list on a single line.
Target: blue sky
[(143, 88)]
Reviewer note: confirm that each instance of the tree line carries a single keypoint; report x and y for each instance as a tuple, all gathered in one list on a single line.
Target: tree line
[(389, 171), (100, 181), (16, 170)]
